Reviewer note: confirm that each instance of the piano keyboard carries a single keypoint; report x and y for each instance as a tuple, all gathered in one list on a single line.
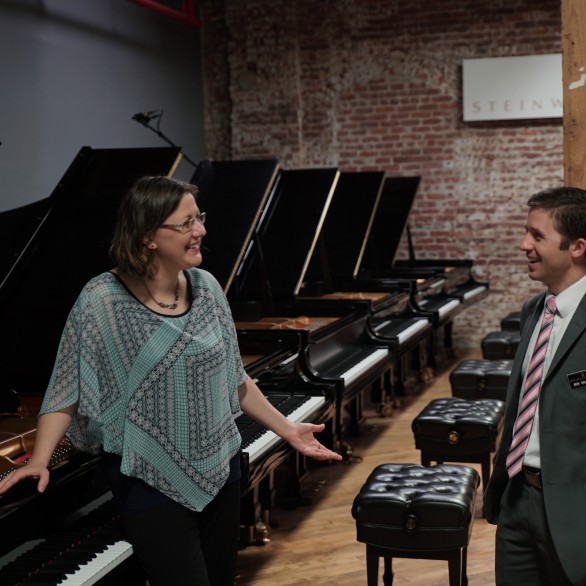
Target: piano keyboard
[(79, 555), (264, 439), (376, 357), (473, 292), (101, 565), (443, 309), (404, 334)]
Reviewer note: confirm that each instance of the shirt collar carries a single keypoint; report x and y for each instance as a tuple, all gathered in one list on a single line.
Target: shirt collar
[(567, 301)]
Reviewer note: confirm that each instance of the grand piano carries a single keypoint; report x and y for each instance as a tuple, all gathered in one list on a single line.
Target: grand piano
[(52, 247), (338, 348), (391, 223), (262, 292), (334, 273), (443, 287)]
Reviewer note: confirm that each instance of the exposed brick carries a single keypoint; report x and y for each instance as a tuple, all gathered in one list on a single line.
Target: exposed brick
[(376, 84)]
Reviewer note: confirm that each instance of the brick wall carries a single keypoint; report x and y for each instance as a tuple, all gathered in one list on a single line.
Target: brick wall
[(376, 84)]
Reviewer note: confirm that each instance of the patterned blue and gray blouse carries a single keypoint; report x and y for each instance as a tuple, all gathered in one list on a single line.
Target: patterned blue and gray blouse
[(160, 391)]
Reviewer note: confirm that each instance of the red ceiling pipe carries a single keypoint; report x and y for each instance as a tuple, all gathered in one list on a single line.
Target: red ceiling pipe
[(186, 14)]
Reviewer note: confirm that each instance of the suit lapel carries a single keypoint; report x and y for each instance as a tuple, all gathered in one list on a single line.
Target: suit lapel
[(575, 329)]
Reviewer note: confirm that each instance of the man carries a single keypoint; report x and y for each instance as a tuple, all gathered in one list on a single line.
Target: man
[(537, 492)]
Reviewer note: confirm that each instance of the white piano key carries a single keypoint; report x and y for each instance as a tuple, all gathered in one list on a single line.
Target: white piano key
[(376, 357), (410, 331), (437, 285), (444, 308), (262, 444), (447, 307), (474, 292), (100, 566), (407, 332)]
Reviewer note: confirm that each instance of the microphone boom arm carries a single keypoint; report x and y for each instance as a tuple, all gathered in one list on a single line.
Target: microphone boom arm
[(145, 119)]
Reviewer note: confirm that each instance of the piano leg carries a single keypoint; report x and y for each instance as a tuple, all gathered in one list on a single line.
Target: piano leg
[(354, 410), (253, 530), (383, 396), (421, 365), (442, 346), (267, 496)]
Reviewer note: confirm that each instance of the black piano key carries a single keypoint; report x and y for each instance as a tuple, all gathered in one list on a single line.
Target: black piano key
[(250, 430), (50, 561)]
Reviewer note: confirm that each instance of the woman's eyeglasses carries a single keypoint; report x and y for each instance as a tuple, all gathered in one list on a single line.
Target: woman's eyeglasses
[(187, 226)]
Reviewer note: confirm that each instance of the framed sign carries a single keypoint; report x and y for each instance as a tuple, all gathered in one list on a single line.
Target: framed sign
[(509, 88)]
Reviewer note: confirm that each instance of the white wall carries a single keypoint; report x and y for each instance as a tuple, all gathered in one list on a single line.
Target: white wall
[(74, 72)]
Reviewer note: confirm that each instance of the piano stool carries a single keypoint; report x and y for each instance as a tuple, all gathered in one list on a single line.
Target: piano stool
[(413, 511), (500, 345), (459, 430), (481, 379), (511, 322)]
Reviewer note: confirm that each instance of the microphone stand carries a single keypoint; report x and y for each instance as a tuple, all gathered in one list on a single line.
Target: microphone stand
[(144, 120)]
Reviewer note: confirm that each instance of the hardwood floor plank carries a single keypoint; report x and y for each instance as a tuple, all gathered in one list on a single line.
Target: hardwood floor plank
[(316, 544)]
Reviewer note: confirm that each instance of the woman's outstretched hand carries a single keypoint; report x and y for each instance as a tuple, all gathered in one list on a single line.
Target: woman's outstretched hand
[(302, 438)]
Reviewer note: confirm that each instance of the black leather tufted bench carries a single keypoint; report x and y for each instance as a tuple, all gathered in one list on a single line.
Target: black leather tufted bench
[(481, 379), (459, 430), (500, 345), (512, 321), (414, 511)]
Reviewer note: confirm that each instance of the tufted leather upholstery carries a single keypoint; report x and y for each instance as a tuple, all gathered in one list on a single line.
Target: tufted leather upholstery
[(512, 321), (500, 345), (459, 425), (481, 379), (414, 507), (459, 430)]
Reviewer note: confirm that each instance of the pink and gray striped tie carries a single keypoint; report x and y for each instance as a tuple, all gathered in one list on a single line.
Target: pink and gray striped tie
[(528, 406)]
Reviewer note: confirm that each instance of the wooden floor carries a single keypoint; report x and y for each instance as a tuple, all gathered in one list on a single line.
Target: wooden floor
[(316, 544)]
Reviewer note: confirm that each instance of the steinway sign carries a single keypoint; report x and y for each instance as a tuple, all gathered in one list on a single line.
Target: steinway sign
[(509, 88)]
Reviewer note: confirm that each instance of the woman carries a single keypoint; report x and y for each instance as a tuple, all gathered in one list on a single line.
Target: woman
[(148, 372)]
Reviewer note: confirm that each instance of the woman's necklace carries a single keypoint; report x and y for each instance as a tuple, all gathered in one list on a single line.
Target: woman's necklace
[(165, 305)]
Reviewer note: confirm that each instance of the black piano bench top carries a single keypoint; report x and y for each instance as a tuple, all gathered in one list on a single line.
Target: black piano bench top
[(512, 321), (500, 344), (481, 379), (457, 420), (459, 430), (414, 507)]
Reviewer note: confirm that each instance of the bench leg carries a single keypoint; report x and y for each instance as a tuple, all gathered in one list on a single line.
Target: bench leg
[(371, 567), (388, 575), (455, 565)]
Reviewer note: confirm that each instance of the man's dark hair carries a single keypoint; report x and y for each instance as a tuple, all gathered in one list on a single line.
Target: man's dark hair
[(568, 209)]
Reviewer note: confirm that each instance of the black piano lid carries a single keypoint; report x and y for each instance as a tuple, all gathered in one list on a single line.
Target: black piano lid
[(390, 222), (16, 229), (345, 231), (233, 194), (287, 234), (68, 245)]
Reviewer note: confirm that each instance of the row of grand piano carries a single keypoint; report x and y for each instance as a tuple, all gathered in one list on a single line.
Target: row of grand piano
[(325, 316)]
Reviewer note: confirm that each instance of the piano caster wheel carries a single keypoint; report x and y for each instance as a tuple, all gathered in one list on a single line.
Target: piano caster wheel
[(387, 409), (344, 448), (427, 375), (262, 533)]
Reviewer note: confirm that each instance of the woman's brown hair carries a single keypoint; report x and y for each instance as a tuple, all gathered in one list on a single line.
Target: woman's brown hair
[(144, 207)]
